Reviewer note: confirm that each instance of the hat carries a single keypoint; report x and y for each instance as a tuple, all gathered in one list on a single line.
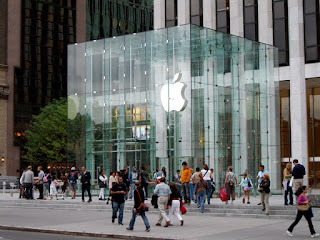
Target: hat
[(73, 169)]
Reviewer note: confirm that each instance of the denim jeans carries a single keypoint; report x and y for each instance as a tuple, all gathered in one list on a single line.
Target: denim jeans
[(186, 194), (133, 219), (132, 188), (208, 191), (115, 207), (202, 197), (191, 189), (198, 199)]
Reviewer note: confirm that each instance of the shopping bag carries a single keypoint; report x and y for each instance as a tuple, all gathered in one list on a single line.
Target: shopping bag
[(183, 210), (223, 194), (291, 182)]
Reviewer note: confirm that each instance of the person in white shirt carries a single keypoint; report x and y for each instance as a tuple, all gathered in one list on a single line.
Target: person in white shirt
[(260, 177), (102, 180), (112, 180), (206, 173)]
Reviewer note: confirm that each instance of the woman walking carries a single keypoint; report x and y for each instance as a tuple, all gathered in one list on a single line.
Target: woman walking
[(229, 184), (174, 203), (200, 191), (53, 187), (246, 183), (303, 210), (264, 189), (206, 173), (102, 180), (287, 174)]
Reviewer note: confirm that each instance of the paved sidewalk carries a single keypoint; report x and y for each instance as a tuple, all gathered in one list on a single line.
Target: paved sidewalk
[(195, 227)]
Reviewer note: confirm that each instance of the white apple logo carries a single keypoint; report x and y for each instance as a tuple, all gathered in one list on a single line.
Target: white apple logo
[(172, 95)]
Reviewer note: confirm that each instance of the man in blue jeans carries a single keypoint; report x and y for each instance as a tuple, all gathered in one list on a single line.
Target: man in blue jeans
[(118, 192), (137, 208)]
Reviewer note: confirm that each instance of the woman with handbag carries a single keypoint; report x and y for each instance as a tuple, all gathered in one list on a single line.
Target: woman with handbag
[(229, 184), (264, 189), (174, 203), (247, 186), (139, 208), (201, 190), (303, 210)]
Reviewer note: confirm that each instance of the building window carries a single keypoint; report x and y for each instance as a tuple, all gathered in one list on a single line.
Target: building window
[(223, 16), (285, 120), (250, 19), (280, 30), (196, 12), (311, 31), (171, 13)]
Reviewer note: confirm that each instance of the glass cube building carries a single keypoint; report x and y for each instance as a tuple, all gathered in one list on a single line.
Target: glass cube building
[(162, 97)]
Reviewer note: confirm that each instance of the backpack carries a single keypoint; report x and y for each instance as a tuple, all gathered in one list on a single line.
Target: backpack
[(231, 178)]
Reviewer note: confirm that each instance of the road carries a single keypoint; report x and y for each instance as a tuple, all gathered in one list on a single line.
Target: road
[(17, 235)]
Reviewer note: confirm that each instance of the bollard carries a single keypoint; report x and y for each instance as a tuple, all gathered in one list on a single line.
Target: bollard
[(4, 187)]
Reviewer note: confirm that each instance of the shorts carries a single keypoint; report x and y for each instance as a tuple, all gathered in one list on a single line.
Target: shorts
[(73, 187), (53, 190), (246, 189)]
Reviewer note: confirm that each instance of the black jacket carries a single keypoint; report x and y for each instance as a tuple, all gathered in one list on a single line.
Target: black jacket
[(85, 178), (174, 195), (265, 185), (298, 171), (137, 201)]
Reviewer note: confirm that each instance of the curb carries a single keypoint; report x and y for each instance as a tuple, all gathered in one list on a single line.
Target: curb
[(80, 234)]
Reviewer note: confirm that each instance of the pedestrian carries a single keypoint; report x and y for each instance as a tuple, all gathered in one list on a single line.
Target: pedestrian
[(102, 182), (213, 184), (174, 203), (164, 173), (287, 174), (126, 181), (144, 180), (191, 186), (230, 183), (298, 173), (185, 178), (201, 190), (21, 185), (133, 177), (177, 177), (40, 185), (303, 210), (118, 192), (246, 184), (64, 179), (264, 189), (85, 183), (46, 184), (194, 179), (28, 181), (53, 187), (260, 176), (163, 192), (138, 207), (112, 181), (206, 173), (73, 176)]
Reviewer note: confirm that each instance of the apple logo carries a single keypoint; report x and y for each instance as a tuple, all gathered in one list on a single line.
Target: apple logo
[(172, 95)]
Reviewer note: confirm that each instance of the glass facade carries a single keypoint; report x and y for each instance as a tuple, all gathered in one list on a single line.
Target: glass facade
[(47, 28), (136, 101), (108, 18)]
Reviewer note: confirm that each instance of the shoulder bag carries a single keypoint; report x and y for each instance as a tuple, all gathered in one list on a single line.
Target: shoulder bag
[(303, 207), (143, 207)]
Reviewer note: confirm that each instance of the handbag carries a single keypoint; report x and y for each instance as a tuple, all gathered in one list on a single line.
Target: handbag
[(183, 210), (143, 207), (249, 183), (303, 207)]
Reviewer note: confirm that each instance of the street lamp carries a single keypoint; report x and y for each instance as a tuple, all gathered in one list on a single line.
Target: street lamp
[(2, 159)]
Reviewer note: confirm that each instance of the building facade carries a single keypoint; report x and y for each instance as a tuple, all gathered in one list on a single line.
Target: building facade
[(293, 27)]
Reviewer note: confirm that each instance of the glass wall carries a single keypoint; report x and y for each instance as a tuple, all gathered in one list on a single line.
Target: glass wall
[(142, 102)]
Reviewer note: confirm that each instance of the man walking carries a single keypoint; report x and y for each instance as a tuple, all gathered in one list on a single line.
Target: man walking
[(28, 181), (260, 177), (185, 178), (138, 207), (298, 173), (118, 192), (194, 179), (133, 177), (85, 182), (144, 179), (163, 192), (40, 186)]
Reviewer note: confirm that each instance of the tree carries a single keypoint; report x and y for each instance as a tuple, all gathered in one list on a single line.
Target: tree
[(47, 137)]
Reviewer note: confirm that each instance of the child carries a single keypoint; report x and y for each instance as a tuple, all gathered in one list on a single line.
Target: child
[(247, 186), (53, 187)]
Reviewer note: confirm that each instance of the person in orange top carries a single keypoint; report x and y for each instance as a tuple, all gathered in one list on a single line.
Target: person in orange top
[(185, 175)]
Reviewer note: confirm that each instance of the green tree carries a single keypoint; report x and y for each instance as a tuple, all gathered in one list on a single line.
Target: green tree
[(47, 137)]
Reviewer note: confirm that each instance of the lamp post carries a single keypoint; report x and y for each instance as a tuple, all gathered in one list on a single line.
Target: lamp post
[(2, 159)]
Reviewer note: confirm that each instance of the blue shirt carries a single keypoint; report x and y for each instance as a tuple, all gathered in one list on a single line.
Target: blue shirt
[(260, 175), (162, 190)]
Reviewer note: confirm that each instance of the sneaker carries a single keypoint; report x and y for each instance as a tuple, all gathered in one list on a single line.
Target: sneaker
[(181, 223), (248, 202), (167, 224), (129, 229), (243, 200), (112, 220), (290, 234), (148, 229), (89, 200), (263, 209), (259, 203), (198, 206), (158, 224), (315, 235), (121, 224)]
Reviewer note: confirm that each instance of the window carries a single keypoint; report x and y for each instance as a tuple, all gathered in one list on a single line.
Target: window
[(196, 12), (311, 30), (223, 16), (250, 21), (285, 120), (280, 30), (171, 13)]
